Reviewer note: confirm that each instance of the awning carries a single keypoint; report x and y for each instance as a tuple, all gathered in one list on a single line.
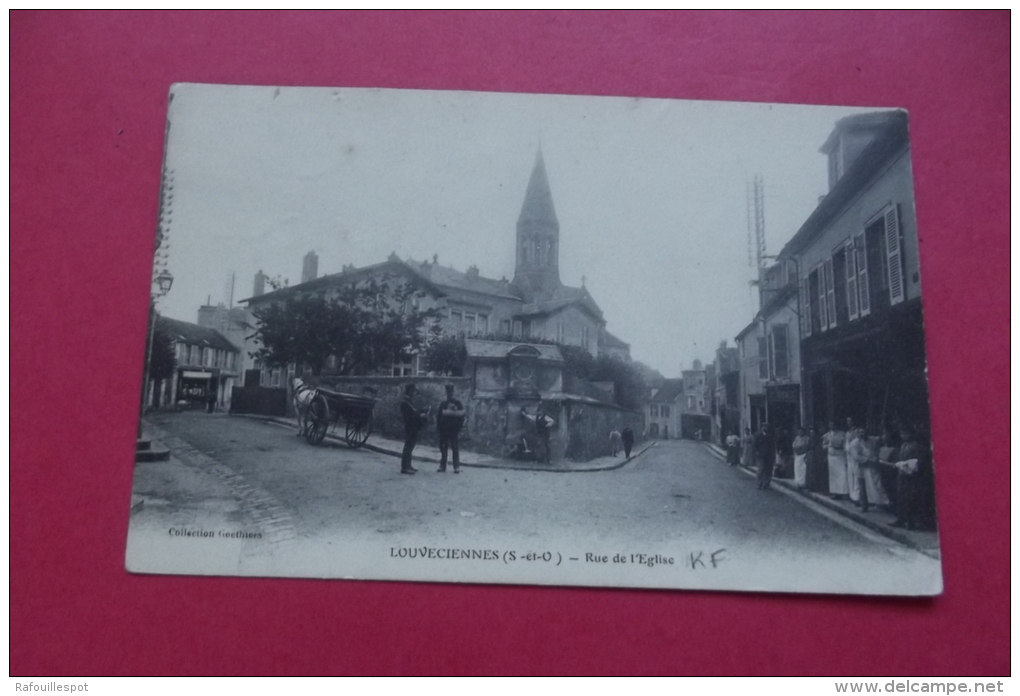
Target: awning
[(195, 375)]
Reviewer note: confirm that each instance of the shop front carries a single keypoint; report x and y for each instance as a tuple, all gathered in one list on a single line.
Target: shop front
[(874, 375), (195, 387), (782, 407)]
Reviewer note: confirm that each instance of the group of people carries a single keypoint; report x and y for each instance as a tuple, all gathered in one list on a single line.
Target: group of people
[(450, 416), (892, 472), (621, 440)]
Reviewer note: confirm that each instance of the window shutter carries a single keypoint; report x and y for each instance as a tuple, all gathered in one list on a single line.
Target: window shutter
[(851, 282), (772, 354), (830, 292), (823, 312), (805, 307), (895, 255), (780, 350), (863, 287)]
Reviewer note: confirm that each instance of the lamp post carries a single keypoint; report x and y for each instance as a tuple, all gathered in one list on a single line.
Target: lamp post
[(160, 286)]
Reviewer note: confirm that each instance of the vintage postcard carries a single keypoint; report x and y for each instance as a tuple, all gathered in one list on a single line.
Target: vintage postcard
[(558, 340)]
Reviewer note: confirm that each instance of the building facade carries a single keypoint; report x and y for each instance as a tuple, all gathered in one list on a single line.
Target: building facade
[(695, 404), (663, 410), (726, 393), (859, 283), (208, 366)]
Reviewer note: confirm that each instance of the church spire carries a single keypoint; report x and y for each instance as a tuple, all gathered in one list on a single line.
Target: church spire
[(538, 238), (538, 203)]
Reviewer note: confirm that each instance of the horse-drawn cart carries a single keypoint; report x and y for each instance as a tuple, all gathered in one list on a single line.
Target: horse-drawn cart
[(328, 407)]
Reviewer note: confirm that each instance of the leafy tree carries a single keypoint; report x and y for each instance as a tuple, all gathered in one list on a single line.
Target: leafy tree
[(648, 374), (162, 362), (629, 384), (363, 325), (446, 356), (577, 361), (630, 387)]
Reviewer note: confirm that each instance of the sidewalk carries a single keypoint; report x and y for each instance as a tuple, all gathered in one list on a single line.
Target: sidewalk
[(427, 453), (876, 520)]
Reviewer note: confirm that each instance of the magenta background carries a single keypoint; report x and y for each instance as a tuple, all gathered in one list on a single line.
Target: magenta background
[(88, 102)]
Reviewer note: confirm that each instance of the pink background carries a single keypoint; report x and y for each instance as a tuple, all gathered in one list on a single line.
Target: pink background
[(88, 102)]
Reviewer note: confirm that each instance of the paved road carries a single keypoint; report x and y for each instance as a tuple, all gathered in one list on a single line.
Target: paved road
[(676, 501)]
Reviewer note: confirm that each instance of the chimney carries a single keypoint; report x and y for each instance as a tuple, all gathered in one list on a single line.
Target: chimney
[(207, 316), (472, 272), (310, 267), (260, 284)]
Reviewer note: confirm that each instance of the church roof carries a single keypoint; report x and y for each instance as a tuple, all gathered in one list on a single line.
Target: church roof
[(611, 341), (538, 203), (563, 296)]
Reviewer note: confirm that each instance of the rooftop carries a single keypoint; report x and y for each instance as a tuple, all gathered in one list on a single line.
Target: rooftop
[(670, 391), (477, 348), (890, 141), (193, 334)]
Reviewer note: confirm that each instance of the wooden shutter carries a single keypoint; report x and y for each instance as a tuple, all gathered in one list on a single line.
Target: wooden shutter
[(894, 252), (805, 307), (780, 351), (863, 287), (830, 293), (851, 282), (823, 313), (772, 354)]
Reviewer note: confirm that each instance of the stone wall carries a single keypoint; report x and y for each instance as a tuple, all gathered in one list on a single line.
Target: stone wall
[(494, 423), (386, 419), (586, 435)]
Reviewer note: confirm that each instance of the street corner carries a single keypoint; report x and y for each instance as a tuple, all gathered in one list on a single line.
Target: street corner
[(170, 492)]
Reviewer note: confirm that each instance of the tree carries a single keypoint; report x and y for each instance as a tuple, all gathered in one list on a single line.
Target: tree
[(446, 356), (629, 385), (363, 325), (162, 362), (577, 361)]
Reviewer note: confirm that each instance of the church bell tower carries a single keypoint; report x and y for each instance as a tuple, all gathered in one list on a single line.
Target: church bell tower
[(537, 273)]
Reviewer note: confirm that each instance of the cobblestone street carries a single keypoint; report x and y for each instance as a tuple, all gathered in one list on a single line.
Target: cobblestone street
[(676, 501)]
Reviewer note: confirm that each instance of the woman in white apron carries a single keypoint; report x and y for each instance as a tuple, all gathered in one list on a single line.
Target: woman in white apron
[(834, 443), (871, 489), (801, 447)]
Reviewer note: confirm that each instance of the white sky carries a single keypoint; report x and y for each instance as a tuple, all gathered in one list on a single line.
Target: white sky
[(650, 194)]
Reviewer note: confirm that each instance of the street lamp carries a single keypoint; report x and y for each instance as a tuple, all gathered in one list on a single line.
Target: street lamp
[(164, 281), (160, 286)]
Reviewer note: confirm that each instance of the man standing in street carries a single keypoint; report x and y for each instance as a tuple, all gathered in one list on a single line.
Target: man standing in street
[(542, 425), (414, 420), (449, 421), (765, 447), (628, 441)]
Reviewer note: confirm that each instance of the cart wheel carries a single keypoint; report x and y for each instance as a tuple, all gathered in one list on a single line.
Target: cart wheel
[(358, 432), (318, 420)]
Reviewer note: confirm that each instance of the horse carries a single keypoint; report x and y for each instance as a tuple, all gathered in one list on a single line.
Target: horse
[(303, 395)]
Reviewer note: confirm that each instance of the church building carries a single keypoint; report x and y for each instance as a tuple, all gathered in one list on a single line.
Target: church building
[(534, 306)]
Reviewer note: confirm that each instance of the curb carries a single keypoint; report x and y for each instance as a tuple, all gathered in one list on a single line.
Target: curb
[(335, 440), (876, 526)]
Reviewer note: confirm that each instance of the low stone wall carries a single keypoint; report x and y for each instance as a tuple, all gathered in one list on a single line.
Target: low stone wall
[(494, 424), (581, 432), (589, 425), (386, 418)]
